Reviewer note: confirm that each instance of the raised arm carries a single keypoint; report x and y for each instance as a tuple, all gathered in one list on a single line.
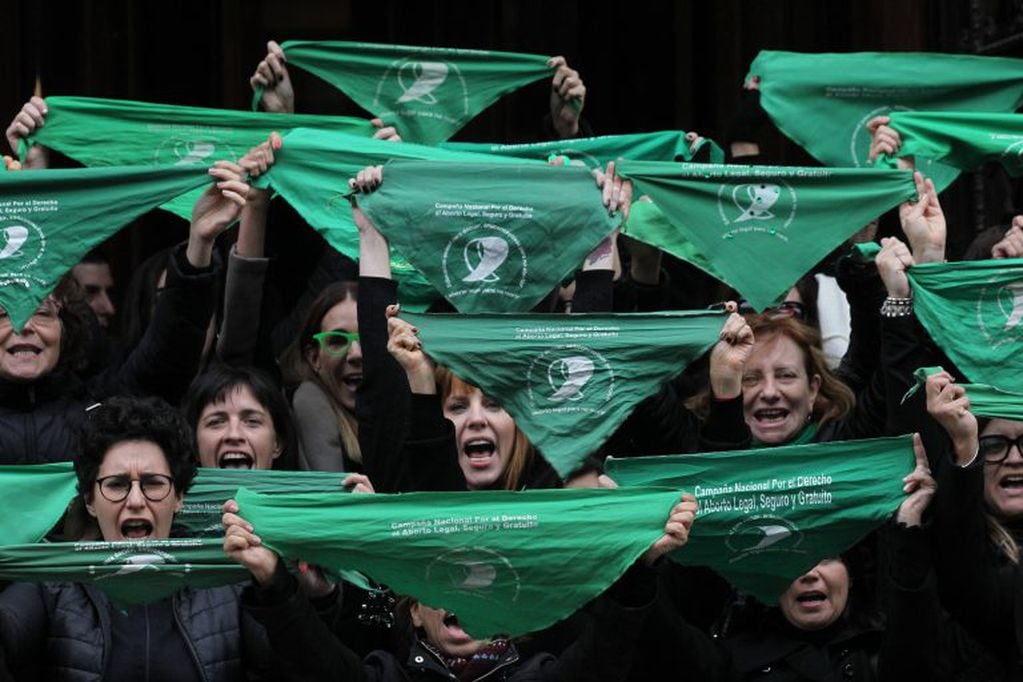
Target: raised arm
[(27, 121)]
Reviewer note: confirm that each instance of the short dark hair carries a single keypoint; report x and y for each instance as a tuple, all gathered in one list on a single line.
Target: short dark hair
[(214, 385), (125, 418)]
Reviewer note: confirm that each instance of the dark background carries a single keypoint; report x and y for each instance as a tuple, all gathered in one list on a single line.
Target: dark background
[(647, 65)]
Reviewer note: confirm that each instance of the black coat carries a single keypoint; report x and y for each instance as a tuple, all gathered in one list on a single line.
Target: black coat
[(39, 420), (63, 631)]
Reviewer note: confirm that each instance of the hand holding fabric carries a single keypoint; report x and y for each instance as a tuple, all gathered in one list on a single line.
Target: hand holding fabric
[(892, 262), (27, 121), (919, 487), (729, 355), (568, 95), (385, 132), (884, 140), (216, 209), (676, 530), (923, 222), (616, 192), (405, 347), (358, 483), (948, 404), (243, 545), (1011, 245), (272, 75)]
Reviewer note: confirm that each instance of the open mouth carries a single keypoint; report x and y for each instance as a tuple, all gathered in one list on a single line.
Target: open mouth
[(480, 452), (811, 598), (236, 460), (770, 415), (352, 381), (454, 630), (23, 350), (1011, 482), (136, 529)]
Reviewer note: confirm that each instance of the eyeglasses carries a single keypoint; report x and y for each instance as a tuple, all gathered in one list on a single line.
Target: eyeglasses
[(116, 488), (995, 448), (336, 344), (784, 309), (46, 315)]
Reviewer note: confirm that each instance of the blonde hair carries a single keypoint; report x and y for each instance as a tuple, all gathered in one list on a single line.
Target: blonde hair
[(1002, 539), (522, 451)]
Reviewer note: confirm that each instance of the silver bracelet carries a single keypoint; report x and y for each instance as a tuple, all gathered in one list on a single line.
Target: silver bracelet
[(897, 307)]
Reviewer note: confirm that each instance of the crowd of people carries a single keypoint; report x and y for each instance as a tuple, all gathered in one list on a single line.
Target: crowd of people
[(197, 363)]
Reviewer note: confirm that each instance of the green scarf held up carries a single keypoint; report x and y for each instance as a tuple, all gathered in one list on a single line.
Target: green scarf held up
[(985, 401), (491, 237), (35, 497), (761, 227), (427, 93), (973, 311), (505, 562), (49, 219), (311, 173), (823, 102), (596, 152), (964, 141), (110, 132), (767, 516), (130, 572), (568, 380), (203, 508)]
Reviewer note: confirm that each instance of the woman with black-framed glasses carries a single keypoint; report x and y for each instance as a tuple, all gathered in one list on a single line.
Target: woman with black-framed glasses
[(978, 521), (135, 466)]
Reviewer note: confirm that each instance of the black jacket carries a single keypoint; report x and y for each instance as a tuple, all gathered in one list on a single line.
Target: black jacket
[(63, 631), (39, 421)]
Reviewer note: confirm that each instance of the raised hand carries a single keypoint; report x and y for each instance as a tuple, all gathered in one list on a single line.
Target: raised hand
[(676, 530), (215, 210), (948, 404), (729, 355), (28, 120), (919, 487), (892, 262), (272, 75), (1011, 245), (568, 95), (405, 347), (923, 222), (243, 545)]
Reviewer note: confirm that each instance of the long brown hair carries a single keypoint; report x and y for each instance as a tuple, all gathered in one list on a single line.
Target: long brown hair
[(296, 366), (522, 451)]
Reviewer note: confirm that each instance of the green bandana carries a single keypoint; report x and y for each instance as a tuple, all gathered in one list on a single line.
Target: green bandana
[(427, 93), (985, 401), (568, 380), (129, 572), (973, 311), (35, 497), (961, 140), (505, 562), (203, 509), (494, 237), (743, 217), (824, 101), (110, 132), (595, 152), (50, 219), (768, 516), (311, 173)]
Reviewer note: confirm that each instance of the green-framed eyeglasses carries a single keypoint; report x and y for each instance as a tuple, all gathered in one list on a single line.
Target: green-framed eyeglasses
[(336, 343)]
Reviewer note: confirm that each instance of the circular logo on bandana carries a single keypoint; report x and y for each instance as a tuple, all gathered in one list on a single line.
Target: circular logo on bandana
[(763, 534), (484, 259), (1000, 313), (757, 207), (476, 571), (22, 245), (145, 560), (414, 85), (193, 150), (570, 379)]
